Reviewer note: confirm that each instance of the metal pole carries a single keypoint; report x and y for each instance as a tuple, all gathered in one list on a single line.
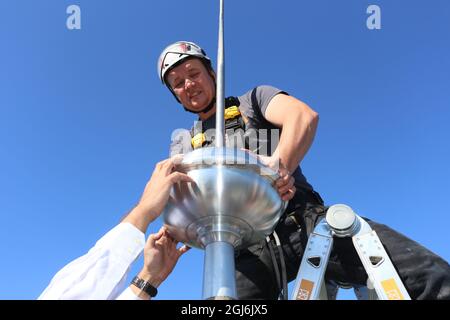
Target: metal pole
[(218, 278), (220, 88)]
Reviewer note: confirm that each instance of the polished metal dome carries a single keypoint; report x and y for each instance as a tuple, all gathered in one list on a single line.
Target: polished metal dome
[(233, 199)]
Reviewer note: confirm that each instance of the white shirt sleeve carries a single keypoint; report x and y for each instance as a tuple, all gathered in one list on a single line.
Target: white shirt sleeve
[(102, 272)]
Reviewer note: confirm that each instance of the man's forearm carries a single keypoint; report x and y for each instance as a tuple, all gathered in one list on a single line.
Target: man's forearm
[(139, 218), (296, 139)]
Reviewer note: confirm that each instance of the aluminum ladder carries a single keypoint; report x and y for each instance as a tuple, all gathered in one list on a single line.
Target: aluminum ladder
[(383, 281)]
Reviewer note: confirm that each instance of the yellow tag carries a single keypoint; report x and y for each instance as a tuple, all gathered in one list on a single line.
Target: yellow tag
[(391, 289), (198, 140), (231, 112)]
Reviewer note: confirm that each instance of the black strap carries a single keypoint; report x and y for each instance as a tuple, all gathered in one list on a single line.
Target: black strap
[(281, 277), (274, 262), (232, 101), (145, 286)]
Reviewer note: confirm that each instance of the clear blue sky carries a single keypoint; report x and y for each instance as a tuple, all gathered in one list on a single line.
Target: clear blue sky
[(84, 119)]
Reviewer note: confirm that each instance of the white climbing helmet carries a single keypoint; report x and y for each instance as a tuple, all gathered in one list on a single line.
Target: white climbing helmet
[(177, 52)]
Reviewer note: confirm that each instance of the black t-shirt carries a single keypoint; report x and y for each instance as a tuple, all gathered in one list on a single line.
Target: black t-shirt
[(260, 135)]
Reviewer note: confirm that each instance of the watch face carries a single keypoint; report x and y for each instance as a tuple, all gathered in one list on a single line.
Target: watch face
[(150, 290)]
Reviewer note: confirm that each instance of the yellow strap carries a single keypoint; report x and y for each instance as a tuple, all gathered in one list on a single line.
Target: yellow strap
[(198, 140)]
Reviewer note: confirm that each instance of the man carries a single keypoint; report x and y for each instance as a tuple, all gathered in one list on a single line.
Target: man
[(102, 272), (186, 70)]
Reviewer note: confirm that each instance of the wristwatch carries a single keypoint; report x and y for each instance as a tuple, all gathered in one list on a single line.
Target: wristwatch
[(144, 286)]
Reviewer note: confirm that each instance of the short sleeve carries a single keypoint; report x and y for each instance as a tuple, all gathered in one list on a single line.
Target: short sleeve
[(261, 96)]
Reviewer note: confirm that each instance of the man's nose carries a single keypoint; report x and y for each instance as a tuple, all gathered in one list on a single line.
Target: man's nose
[(189, 83)]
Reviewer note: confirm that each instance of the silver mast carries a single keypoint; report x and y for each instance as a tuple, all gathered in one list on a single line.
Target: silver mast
[(220, 88)]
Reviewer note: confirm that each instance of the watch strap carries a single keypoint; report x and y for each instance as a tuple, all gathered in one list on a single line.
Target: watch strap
[(144, 286)]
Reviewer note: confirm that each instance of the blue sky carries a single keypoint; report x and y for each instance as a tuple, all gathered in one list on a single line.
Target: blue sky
[(84, 119)]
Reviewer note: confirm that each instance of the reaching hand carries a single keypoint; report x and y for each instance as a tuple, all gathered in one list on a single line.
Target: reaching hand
[(157, 190), (160, 257), (156, 193)]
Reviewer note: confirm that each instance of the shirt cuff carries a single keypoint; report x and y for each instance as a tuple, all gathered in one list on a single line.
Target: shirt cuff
[(128, 294)]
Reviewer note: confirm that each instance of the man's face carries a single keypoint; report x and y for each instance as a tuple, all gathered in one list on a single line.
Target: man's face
[(192, 83)]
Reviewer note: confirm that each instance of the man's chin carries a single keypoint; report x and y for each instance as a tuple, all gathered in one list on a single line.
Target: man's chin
[(197, 107), (194, 109)]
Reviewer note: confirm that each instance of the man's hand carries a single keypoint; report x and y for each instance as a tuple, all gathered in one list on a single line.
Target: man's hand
[(157, 190), (160, 257), (156, 193), (284, 184)]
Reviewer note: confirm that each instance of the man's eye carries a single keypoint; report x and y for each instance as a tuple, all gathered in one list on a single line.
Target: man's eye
[(195, 75), (178, 84)]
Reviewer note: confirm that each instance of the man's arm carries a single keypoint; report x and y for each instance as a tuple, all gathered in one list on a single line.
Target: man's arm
[(298, 122), (101, 273)]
